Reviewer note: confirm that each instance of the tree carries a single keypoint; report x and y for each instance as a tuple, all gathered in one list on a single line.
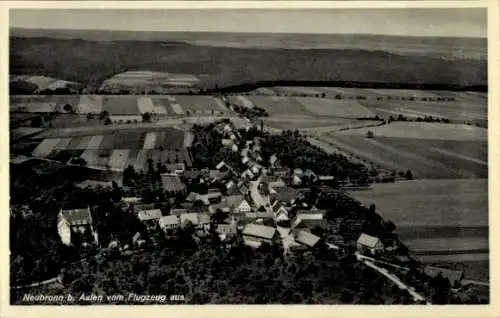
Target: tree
[(146, 117), (107, 121), (68, 108), (409, 175), (37, 121), (104, 114), (90, 116), (369, 134)]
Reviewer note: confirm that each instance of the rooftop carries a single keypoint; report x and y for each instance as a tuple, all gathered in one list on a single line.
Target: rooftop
[(77, 216), (307, 238), (257, 230), (146, 215), (172, 183), (368, 240)]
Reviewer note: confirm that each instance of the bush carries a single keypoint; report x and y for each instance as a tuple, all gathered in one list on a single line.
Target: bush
[(369, 134)]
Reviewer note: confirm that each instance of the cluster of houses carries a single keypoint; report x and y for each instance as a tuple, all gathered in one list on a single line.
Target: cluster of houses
[(262, 204)]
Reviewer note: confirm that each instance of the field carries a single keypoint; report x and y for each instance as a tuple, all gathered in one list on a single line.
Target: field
[(314, 125), (278, 106), (148, 105), (90, 104), (200, 104), (241, 101), (420, 130), (432, 159), (120, 105), (148, 81), (443, 221), (452, 203), (459, 110), (335, 108)]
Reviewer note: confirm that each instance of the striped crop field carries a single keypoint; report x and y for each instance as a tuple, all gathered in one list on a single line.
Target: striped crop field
[(148, 105), (118, 159), (150, 140), (45, 147), (62, 144), (426, 158), (96, 157), (200, 104)]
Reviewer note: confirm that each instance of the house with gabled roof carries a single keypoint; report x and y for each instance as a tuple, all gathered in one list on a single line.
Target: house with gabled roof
[(132, 200), (200, 221), (255, 234), (226, 231), (306, 238), (368, 243), (281, 214), (169, 222), (149, 217), (75, 226), (221, 165)]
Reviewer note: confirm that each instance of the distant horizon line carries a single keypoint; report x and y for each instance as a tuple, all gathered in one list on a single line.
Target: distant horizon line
[(248, 32)]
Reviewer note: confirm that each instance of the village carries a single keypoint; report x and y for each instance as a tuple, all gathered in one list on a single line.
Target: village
[(263, 204), (259, 202)]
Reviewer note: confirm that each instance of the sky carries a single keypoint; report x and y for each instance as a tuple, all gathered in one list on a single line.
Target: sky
[(454, 22)]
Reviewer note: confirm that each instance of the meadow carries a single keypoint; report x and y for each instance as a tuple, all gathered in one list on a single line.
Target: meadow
[(335, 108), (447, 203), (431, 159), (421, 130), (200, 104), (444, 222), (278, 106)]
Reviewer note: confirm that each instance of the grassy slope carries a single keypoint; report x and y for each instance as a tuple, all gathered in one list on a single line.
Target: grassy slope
[(92, 62)]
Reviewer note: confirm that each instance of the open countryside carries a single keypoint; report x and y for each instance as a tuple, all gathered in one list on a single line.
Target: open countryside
[(201, 165)]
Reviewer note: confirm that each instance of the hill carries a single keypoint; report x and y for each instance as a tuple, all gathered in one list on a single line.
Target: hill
[(91, 62)]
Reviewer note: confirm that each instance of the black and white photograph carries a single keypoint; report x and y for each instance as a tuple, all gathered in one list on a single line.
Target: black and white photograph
[(264, 156)]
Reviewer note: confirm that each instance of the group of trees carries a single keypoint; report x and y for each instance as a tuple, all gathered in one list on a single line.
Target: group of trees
[(210, 273), (207, 149), (428, 119), (295, 151), (250, 112)]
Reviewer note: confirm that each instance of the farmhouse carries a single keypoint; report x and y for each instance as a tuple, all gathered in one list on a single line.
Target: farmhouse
[(226, 230), (172, 183), (368, 243), (169, 222), (254, 235), (200, 221), (75, 226), (306, 238), (149, 217)]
